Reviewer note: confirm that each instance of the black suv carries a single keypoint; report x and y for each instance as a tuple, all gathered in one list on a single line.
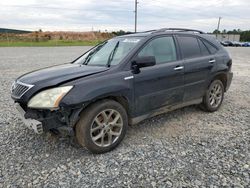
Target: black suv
[(123, 81)]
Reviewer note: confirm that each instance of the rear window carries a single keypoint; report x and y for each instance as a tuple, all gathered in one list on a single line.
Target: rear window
[(189, 47), (204, 50), (210, 47)]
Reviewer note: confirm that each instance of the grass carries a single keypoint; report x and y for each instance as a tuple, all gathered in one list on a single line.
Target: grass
[(48, 43)]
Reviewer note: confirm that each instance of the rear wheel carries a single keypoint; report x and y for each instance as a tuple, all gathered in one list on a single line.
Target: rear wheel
[(102, 126), (213, 97)]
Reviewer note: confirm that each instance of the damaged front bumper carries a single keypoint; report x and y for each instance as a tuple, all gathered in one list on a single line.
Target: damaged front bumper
[(33, 124), (60, 120)]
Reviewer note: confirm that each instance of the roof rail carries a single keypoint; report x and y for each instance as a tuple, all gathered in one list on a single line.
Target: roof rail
[(147, 31), (178, 29)]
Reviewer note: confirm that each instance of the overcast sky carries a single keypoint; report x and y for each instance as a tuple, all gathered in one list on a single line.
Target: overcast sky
[(83, 15)]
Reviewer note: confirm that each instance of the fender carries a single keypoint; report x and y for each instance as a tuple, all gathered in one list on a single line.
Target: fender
[(111, 85), (220, 69)]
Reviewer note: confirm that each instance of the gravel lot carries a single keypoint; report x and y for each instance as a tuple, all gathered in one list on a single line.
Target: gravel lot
[(183, 148)]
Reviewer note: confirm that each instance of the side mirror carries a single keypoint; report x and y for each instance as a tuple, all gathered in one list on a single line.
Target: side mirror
[(145, 61), (140, 62)]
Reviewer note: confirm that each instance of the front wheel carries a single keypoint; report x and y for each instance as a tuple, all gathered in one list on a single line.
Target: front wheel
[(102, 126), (213, 97)]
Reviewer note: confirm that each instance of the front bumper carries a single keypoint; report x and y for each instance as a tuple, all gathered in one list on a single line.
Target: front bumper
[(60, 120), (32, 124)]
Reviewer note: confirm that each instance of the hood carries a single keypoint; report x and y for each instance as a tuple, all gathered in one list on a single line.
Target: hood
[(59, 74)]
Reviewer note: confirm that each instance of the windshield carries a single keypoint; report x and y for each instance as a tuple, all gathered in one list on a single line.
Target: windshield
[(110, 52)]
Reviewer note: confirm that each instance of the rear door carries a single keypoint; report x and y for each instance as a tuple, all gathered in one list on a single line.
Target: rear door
[(198, 62), (162, 84)]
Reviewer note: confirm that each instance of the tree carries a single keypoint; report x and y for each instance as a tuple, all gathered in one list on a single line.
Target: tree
[(121, 32), (245, 36), (216, 31)]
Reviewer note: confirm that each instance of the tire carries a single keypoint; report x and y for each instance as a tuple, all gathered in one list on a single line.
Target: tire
[(102, 126), (213, 97)]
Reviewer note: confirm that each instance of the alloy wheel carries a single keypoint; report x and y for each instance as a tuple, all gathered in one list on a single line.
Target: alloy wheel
[(215, 95), (106, 128)]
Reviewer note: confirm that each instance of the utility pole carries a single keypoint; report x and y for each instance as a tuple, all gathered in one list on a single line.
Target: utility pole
[(7, 38), (136, 3), (218, 27)]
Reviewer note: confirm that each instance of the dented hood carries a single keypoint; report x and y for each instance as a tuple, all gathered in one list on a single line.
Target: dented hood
[(59, 74)]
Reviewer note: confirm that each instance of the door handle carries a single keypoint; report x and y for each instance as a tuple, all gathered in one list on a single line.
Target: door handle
[(178, 68), (212, 61)]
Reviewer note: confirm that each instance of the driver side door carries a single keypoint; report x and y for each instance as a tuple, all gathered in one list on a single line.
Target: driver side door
[(162, 84)]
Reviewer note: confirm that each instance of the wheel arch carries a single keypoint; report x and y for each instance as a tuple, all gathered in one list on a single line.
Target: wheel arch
[(120, 99), (222, 77)]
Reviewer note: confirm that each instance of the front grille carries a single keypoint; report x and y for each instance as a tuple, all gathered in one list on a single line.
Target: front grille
[(18, 89)]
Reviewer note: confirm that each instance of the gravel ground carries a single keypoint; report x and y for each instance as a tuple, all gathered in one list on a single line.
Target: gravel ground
[(183, 148)]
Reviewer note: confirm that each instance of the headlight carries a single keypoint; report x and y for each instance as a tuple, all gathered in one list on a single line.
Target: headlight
[(49, 98)]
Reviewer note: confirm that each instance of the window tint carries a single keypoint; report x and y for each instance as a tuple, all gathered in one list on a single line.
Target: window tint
[(163, 49), (204, 50), (210, 47), (189, 47)]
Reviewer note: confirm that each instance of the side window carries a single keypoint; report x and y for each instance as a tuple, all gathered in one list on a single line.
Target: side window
[(189, 47), (163, 49), (210, 47), (204, 50)]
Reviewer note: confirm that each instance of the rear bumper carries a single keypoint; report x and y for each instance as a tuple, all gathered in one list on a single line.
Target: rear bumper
[(229, 80)]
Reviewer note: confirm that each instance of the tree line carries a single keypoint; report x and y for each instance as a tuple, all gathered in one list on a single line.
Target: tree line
[(244, 35)]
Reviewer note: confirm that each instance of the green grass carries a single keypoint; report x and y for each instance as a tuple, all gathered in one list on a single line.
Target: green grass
[(48, 43)]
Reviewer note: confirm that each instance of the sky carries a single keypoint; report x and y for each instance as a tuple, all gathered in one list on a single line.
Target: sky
[(114, 15)]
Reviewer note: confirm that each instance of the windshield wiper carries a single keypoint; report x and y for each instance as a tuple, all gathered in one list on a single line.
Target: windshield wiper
[(112, 53), (92, 53)]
